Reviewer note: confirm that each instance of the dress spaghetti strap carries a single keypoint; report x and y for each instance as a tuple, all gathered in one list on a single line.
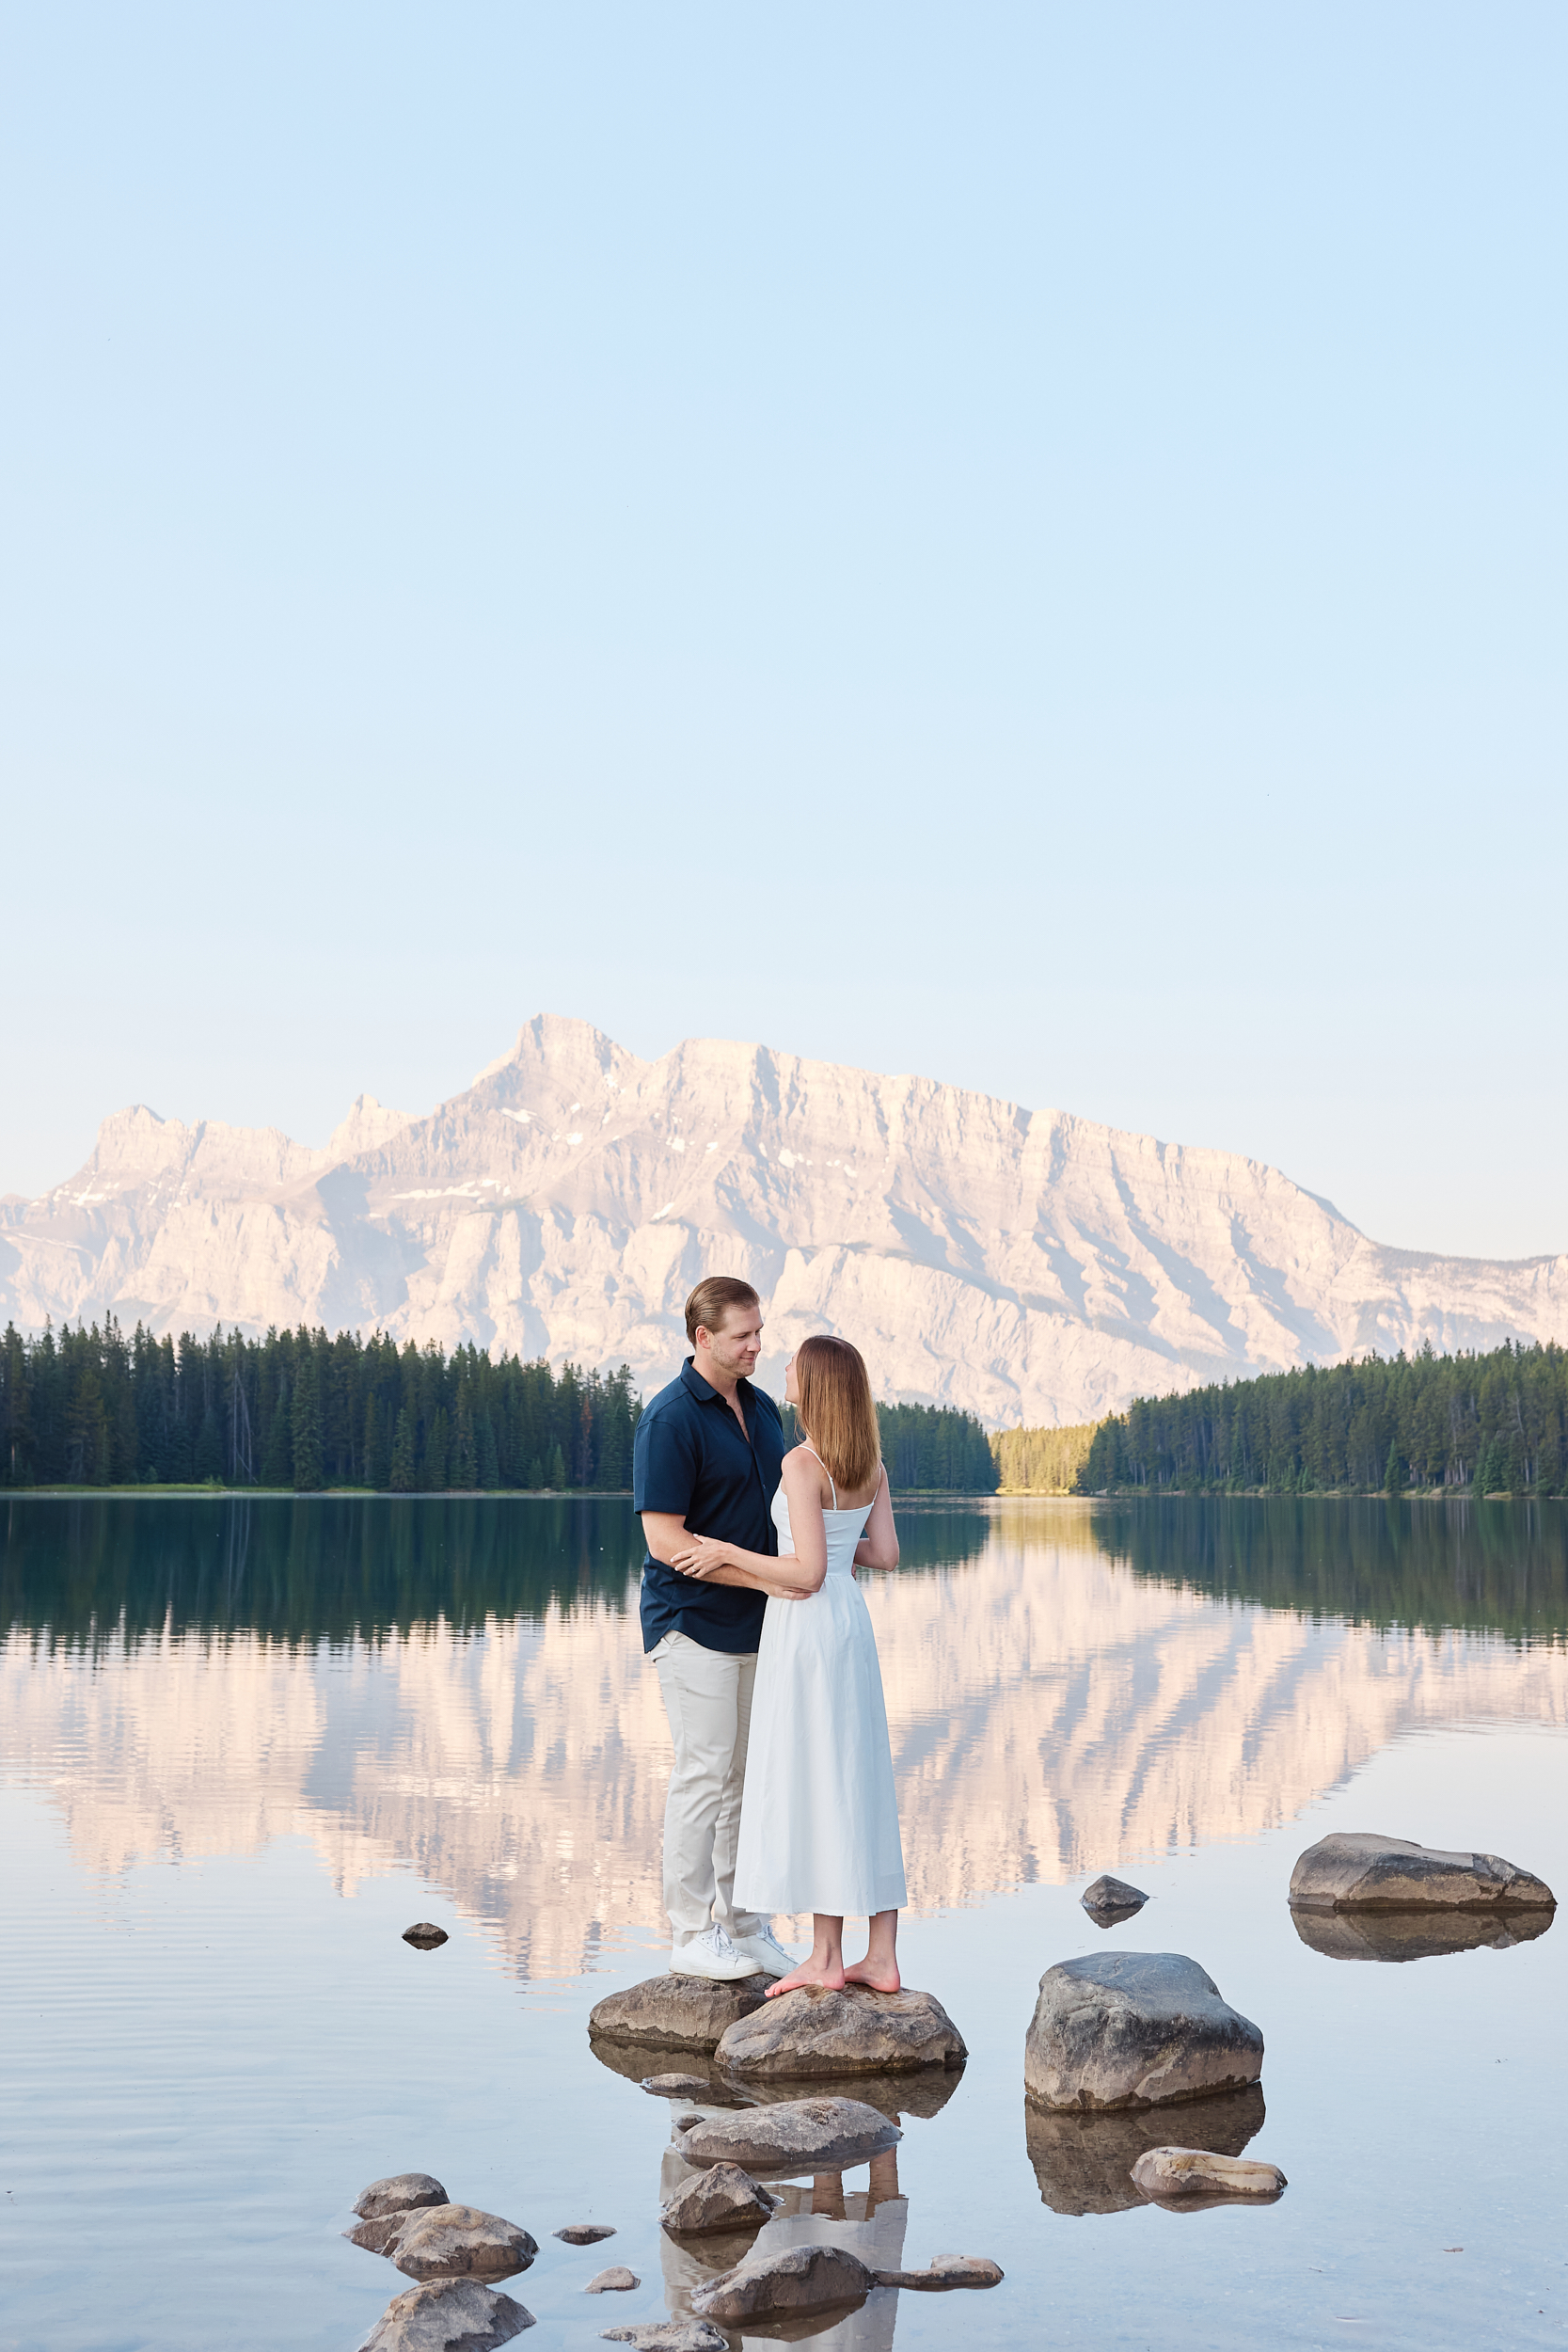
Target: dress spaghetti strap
[(826, 1471)]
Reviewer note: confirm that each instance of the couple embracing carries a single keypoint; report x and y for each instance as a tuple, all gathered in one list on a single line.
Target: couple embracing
[(782, 1798)]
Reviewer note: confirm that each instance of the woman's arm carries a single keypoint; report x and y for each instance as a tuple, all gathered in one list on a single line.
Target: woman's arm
[(795, 1574), (879, 1547)]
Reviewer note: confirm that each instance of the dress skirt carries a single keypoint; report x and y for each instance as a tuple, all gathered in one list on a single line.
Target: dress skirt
[(818, 1821)]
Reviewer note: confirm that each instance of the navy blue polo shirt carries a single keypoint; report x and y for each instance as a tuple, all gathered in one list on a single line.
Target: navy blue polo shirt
[(691, 1459)]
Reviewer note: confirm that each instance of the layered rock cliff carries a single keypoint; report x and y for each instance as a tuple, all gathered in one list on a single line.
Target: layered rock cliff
[(1025, 1264)]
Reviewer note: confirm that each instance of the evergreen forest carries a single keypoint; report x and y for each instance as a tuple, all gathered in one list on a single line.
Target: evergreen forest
[(88, 1407), (1492, 1424)]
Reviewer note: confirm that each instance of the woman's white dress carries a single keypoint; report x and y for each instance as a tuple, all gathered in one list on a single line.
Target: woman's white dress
[(818, 1821)]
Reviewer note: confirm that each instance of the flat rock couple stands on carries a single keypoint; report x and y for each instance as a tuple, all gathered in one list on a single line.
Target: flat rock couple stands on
[(780, 1799)]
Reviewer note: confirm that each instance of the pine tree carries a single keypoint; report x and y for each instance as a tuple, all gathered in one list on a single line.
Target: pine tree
[(400, 1476), (310, 1474)]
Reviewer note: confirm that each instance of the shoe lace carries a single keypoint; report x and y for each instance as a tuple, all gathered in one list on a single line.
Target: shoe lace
[(722, 1944)]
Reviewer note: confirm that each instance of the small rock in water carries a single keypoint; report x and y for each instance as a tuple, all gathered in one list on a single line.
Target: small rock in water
[(676, 2085), (812, 2031), (796, 2132), (673, 2012), (1110, 1900), (1134, 2029), (398, 2193), (723, 2197), (424, 1934), (1358, 1869), (669, 2335), (617, 2279), (795, 2280), (947, 2270), (451, 2315), (1198, 2173), (458, 2241), (584, 2233)]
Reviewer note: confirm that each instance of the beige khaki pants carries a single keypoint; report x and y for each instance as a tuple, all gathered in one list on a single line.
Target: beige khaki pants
[(707, 1697)]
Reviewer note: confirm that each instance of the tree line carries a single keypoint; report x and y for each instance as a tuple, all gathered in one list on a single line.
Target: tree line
[(1491, 1423), (90, 1406)]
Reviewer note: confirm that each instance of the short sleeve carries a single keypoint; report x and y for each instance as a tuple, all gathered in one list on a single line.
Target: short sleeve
[(664, 1464)]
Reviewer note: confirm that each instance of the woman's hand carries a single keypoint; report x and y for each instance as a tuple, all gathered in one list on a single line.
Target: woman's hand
[(701, 1557)]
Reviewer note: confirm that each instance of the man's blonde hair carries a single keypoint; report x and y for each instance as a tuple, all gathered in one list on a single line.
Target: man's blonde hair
[(714, 1295), (838, 1410)]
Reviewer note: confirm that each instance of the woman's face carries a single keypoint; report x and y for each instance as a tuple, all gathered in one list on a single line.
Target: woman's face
[(792, 1383)]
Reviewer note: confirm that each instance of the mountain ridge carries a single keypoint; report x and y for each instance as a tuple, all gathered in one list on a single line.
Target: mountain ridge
[(1024, 1264)]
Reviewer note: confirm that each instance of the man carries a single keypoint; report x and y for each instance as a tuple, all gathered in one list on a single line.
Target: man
[(706, 1462)]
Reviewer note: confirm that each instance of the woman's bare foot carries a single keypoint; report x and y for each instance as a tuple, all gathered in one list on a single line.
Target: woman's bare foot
[(810, 1971), (882, 1977)]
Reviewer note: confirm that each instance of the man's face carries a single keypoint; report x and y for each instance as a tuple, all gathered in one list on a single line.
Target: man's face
[(737, 1344)]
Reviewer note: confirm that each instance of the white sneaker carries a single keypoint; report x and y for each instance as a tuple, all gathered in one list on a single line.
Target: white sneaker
[(765, 1953), (712, 1955)]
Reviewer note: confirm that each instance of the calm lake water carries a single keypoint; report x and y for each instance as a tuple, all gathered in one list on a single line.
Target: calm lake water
[(243, 1744)]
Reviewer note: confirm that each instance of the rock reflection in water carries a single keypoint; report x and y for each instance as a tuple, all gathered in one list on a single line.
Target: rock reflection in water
[(818, 2209), (1417, 1934), (1084, 2163)]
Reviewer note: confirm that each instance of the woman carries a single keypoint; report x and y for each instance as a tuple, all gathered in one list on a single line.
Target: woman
[(819, 1821)]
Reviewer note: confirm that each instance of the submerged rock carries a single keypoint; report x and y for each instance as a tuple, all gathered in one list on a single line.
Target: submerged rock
[(1396, 1935), (452, 2315), (676, 2085), (723, 2197), (815, 2032), (584, 2233), (1084, 2163), (617, 2279), (424, 1935), (669, 2335), (783, 2285), (795, 2132), (1357, 1871), (923, 2092), (1172, 2172), (460, 2241), (1110, 1900), (947, 2270), (673, 2012), (1134, 2029)]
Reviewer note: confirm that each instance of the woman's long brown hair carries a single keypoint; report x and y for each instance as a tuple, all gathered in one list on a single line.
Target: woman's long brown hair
[(838, 1410)]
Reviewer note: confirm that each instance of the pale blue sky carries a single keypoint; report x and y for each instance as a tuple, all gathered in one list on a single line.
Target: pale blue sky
[(1023, 544)]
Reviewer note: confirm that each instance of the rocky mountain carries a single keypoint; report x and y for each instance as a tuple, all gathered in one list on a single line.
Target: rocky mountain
[(1025, 1264)]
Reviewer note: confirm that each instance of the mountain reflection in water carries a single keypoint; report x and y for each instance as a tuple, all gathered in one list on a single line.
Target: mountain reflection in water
[(458, 1686)]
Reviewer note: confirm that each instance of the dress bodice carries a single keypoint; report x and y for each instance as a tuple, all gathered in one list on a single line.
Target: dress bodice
[(844, 1528)]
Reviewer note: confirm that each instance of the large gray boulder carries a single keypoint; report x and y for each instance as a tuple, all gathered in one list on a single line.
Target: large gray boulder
[(1399, 1936), (452, 2315), (1134, 2029), (1167, 2174), (723, 2197), (676, 2012), (812, 2032), (785, 2284), (460, 2242), (1084, 2163), (795, 2133), (1356, 1870), (669, 2335)]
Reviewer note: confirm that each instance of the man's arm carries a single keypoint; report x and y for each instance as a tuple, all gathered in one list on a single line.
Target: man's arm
[(664, 1532)]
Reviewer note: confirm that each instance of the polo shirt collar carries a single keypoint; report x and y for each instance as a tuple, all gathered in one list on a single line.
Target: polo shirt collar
[(704, 1392)]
